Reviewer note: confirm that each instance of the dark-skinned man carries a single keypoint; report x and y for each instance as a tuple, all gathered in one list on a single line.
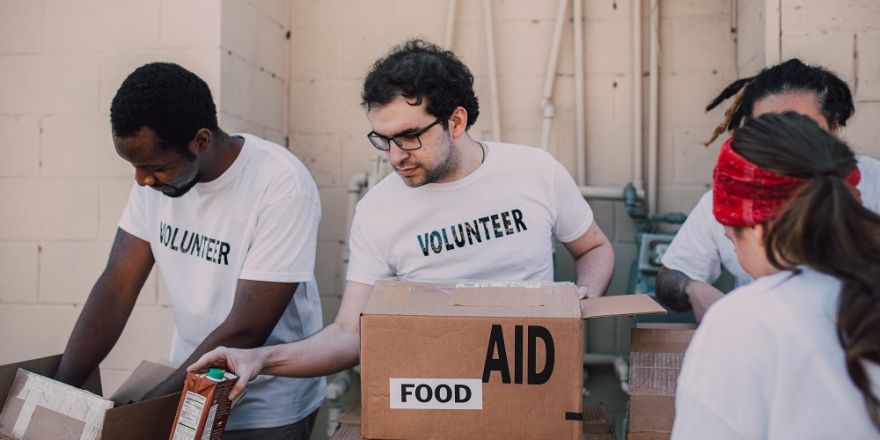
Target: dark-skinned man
[(231, 222)]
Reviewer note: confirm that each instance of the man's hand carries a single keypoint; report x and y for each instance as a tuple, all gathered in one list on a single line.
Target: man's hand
[(702, 296), (255, 311), (244, 363), (584, 292)]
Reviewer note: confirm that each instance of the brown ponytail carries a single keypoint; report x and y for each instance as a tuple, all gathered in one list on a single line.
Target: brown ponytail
[(824, 226)]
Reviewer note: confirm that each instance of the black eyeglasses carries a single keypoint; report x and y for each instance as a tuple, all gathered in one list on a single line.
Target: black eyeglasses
[(407, 141)]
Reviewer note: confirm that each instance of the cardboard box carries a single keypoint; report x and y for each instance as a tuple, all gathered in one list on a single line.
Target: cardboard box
[(478, 360), (656, 355), (596, 425), (47, 419)]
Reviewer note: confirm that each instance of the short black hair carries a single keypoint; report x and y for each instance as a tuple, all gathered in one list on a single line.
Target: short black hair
[(165, 97), (420, 70), (835, 98)]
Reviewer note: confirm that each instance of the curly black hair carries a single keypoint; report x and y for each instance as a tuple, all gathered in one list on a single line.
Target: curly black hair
[(165, 97), (420, 70), (834, 95)]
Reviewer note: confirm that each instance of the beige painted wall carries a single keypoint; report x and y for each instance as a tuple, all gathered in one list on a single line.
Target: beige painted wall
[(62, 187)]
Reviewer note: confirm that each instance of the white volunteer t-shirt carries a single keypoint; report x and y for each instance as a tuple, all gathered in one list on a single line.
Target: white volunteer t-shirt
[(496, 223), (700, 249), (257, 221), (766, 363)]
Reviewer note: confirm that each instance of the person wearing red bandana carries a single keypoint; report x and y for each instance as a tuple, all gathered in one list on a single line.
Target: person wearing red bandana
[(796, 353), (699, 251)]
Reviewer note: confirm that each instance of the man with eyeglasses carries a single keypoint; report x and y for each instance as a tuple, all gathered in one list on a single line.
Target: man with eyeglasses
[(456, 208)]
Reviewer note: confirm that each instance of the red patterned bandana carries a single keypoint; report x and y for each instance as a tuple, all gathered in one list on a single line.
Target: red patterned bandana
[(744, 194)]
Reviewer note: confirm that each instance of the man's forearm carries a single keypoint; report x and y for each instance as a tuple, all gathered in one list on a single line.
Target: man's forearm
[(96, 331), (329, 351), (671, 289), (595, 268)]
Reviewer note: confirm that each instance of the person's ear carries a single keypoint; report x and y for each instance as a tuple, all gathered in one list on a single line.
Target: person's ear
[(458, 122), (202, 141)]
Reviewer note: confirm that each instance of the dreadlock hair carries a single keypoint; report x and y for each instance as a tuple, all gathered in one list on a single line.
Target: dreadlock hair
[(823, 226), (832, 93)]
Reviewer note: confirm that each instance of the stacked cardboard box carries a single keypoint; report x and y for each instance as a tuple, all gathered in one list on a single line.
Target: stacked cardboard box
[(656, 355)]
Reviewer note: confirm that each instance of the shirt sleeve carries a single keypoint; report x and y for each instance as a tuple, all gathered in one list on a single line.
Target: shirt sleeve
[(725, 387), (694, 250), (573, 214), (284, 243), (366, 263), (134, 218)]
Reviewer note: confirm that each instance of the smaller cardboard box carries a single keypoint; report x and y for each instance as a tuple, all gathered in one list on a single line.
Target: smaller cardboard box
[(656, 355), (39, 408), (478, 360)]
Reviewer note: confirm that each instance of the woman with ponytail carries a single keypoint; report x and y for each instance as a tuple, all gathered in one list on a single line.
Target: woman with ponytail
[(795, 354), (699, 251)]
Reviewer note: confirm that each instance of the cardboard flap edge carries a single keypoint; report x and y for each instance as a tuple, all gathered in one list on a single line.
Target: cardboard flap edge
[(620, 305)]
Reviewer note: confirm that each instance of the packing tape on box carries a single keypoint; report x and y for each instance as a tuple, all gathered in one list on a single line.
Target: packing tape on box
[(55, 396)]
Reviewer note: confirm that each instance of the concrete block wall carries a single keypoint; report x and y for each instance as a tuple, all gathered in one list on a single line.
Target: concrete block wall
[(845, 38), (334, 43), (253, 93)]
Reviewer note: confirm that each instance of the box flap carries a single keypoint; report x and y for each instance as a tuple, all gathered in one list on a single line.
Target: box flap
[(468, 298), (620, 305), (146, 376), (148, 420), (37, 403), (44, 366)]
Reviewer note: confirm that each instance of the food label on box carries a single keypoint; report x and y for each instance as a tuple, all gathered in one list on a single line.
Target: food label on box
[(210, 422), (188, 422), (421, 393)]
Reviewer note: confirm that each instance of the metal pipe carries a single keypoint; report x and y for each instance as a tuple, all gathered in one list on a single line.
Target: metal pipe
[(450, 25), (580, 131), (637, 94), (653, 107), (493, 79), (548, 111), (607, 192)]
